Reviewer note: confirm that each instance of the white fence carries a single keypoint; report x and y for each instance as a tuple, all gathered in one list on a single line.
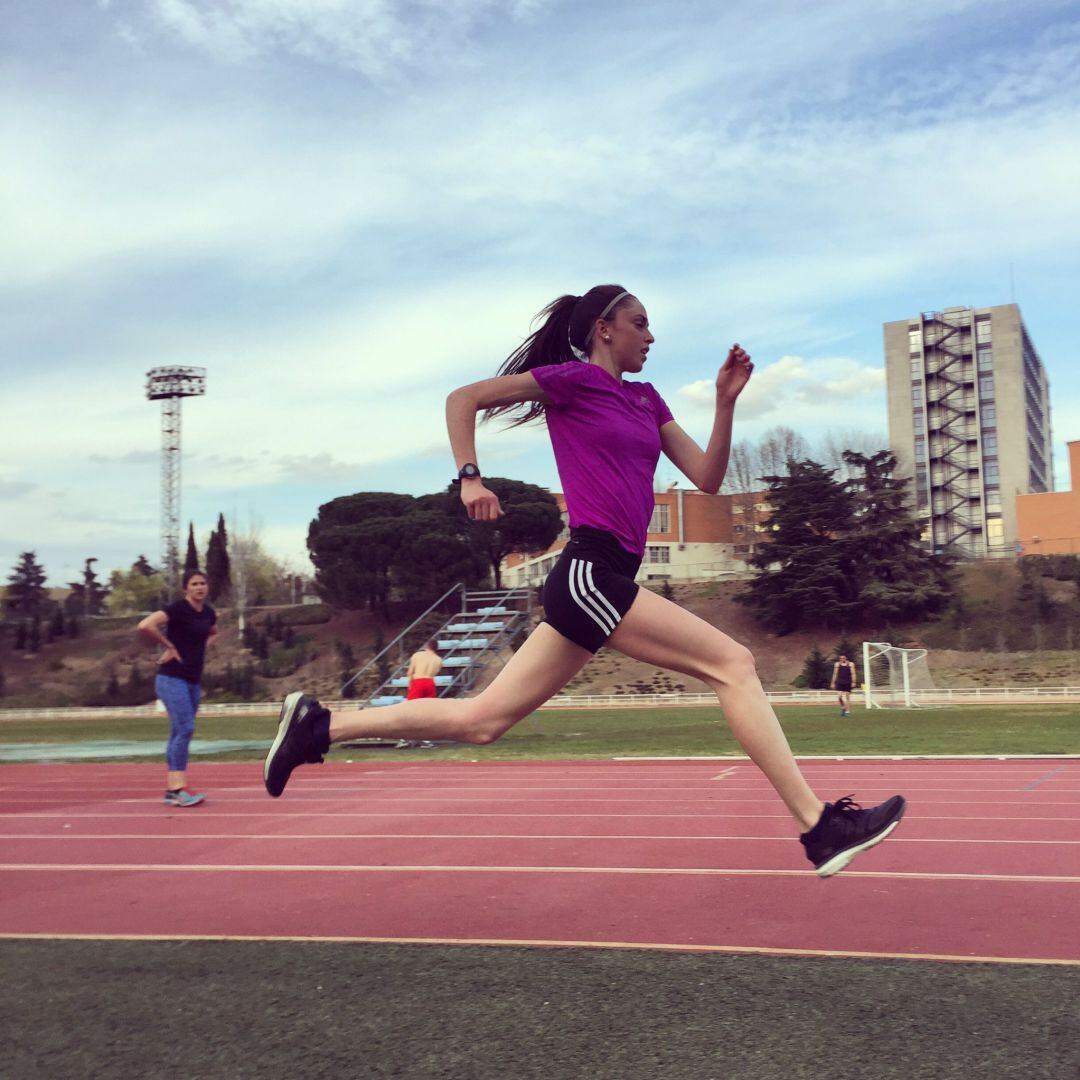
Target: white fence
[(970, 695)]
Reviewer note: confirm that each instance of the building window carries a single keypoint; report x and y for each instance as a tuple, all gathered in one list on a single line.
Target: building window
[(995, 531), (991, 474), (989, 415), (661, 519), (986, 359), (914, 340), (982, 329), (916, 395), (920, 449), (657, 553), (986, 387), (737, 528), (742, 549), (993, 500), (990, 441)]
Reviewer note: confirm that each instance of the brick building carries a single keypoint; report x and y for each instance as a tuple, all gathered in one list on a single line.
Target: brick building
[(692, 537), (1048, 523)]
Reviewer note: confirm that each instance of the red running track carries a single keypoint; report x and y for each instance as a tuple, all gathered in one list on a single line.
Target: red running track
[(691, 855)]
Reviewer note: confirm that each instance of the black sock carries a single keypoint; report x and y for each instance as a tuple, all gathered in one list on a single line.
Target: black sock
[(320, 730)]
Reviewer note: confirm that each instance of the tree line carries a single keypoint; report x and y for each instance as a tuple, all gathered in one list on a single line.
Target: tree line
[(373, 546)]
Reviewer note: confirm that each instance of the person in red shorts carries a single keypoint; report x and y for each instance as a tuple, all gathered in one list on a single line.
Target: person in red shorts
[(423, 667)]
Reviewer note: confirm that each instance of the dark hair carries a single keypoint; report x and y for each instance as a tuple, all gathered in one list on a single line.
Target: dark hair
[(568, 325), (189, 574)]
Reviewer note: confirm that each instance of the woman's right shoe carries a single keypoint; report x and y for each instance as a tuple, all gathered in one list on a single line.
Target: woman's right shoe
[(845, 829), (302, 739)]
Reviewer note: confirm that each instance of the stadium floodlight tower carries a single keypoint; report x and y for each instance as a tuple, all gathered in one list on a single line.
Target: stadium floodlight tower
[(169, 385)]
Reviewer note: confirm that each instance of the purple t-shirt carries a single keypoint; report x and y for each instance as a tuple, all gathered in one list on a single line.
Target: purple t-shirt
[(606, 438)]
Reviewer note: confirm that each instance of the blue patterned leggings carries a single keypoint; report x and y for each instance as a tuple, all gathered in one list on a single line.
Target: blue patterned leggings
[(181, 700)]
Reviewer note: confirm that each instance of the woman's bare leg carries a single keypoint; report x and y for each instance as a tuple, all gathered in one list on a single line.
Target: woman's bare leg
[(660, 632), (543, 665)]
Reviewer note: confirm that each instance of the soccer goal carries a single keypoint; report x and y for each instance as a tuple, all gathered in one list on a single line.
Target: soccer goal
[(891, 675)]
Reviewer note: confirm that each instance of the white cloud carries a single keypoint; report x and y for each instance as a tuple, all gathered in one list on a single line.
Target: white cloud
[(793, 389)]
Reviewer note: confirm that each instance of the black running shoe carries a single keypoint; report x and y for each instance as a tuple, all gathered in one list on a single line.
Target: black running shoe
[(297, 742), (845, 829)]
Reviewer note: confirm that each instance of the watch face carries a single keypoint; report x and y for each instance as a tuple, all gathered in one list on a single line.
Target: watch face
[(468, 472)]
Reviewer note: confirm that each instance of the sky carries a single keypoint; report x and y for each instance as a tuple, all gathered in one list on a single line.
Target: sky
[(344, 209)]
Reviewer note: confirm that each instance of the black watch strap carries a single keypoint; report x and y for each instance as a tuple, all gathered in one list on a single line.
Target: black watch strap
[(468, 471)]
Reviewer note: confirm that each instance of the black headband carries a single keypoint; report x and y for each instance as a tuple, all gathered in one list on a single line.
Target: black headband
[(590, 307)]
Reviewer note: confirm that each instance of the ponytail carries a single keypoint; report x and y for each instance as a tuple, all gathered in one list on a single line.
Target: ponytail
[(564, 337)]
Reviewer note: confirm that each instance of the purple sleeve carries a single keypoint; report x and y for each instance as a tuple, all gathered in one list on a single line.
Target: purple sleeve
[(663, 413), (559, 381)]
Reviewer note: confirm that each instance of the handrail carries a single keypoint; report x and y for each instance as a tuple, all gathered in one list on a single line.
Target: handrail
[(453, 588)]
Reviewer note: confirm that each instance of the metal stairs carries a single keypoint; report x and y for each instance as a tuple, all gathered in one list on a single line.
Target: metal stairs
[(487, 622)]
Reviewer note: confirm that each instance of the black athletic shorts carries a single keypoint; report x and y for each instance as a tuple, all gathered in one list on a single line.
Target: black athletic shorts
[(590, 588)]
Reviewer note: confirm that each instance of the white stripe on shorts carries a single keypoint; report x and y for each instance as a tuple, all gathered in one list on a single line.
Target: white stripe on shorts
[(615, 616), (583, 600)]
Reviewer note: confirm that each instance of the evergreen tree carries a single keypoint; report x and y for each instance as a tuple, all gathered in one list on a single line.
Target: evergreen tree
[(898, 578), (217, 563), (33, 638), (56, 623), (846, 647), (87, 596), (72, 627), (817, 671), (348, 665), (806, 573), (3, 687), (20, 637), (26, 594), (191, 559), (142, 566)]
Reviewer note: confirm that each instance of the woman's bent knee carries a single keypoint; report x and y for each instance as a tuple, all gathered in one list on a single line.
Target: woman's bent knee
[(735, 668)]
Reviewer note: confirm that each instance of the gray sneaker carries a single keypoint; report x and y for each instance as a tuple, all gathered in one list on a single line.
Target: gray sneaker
[(183, 797)]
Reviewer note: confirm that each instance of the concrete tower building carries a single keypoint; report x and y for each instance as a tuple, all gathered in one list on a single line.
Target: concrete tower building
[(969, 418)]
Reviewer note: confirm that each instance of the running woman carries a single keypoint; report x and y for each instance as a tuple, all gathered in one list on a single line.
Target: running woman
[(182, 629), (843, 682), (607, 432)]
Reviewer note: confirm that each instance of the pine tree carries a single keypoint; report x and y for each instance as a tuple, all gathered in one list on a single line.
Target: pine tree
[(142, 565), (191, 560), (217, 563), (846, 647), (20, 637), (817, 671), (3, 687), (898, 578), (805, 568), (33, 638), (26, 594), (72, 627), (56, 623), (88, 595)]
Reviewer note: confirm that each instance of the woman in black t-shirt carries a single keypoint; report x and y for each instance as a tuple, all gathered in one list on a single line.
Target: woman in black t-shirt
[(182, 629)]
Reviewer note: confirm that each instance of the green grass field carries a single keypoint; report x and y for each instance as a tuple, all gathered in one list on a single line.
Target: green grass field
[(606, 733)]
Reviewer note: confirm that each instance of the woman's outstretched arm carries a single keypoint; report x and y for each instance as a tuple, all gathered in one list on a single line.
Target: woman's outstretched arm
[(706, 469)]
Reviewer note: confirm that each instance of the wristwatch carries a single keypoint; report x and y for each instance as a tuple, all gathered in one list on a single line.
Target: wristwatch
[(468, 471)]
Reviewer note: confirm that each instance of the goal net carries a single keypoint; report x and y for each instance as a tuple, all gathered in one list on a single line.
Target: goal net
[(893, 677)]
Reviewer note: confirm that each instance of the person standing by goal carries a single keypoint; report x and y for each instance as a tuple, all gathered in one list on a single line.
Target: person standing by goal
[(844, 680), (607, 432)]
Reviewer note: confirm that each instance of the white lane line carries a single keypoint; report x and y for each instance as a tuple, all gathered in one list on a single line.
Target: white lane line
[(553, 943), (577, 837), (380, 868)]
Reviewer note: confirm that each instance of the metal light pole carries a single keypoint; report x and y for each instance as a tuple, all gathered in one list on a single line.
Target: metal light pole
[(168, 385)]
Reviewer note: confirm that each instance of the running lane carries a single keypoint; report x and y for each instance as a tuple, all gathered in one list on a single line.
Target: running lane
[(667, 854)]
